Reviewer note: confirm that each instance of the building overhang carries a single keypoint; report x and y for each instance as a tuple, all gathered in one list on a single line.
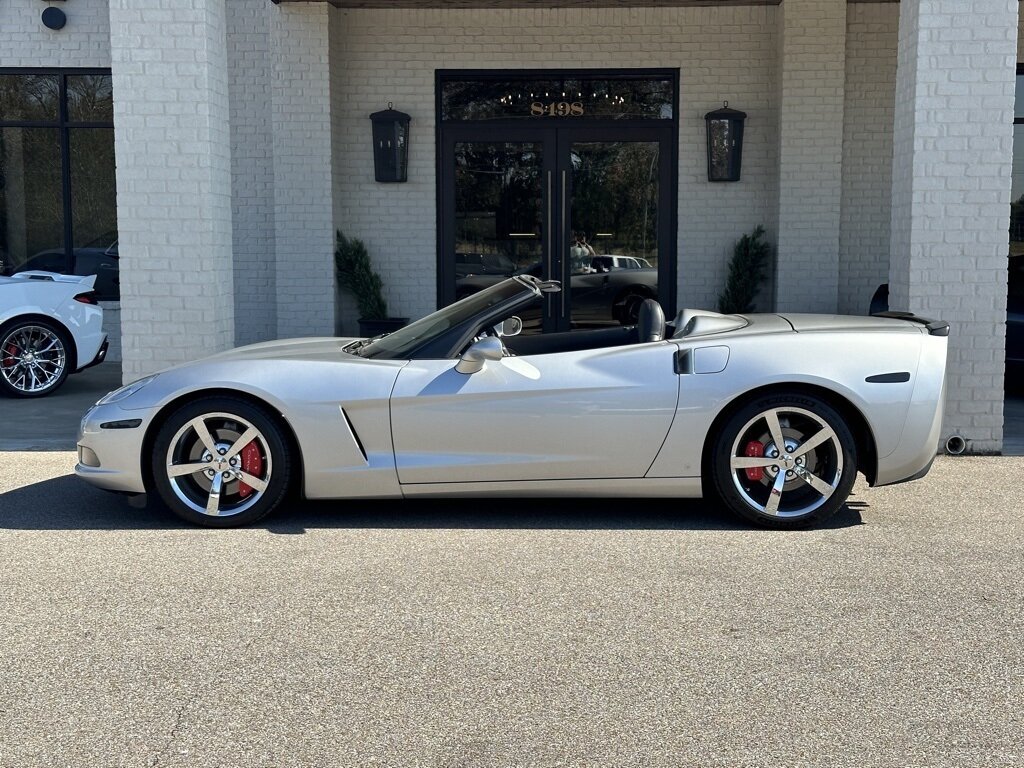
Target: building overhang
[(468, 4), (456, 4)]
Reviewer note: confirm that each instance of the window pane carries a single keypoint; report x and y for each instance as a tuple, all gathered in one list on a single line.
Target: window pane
[(29, 97), (90, 99), (1016, 263), (720, 143), (31, 206), (94, 207), (614, 214), (573, 98)]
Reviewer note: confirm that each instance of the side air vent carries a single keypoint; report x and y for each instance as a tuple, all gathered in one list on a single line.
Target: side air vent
[(352, 432)]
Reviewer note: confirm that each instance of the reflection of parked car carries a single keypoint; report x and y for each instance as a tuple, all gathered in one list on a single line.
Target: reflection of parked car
[(608, 263), (97, 257), (598, 298), (50, 326), (449, 406)]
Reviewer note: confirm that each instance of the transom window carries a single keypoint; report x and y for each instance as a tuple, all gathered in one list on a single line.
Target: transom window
[(580, 96)]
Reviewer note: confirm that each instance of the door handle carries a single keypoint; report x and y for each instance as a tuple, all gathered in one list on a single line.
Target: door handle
[(550, 224), (564, 203)]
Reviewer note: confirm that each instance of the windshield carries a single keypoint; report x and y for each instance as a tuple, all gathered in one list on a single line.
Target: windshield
[(406, 340)]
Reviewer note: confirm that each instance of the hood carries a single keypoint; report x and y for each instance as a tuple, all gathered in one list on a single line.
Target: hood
[(320, 348)]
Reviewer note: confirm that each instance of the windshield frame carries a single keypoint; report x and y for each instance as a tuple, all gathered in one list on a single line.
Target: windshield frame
[(443, 334)]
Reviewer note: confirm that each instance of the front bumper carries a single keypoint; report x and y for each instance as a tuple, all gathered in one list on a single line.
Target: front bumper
[(110, 448)]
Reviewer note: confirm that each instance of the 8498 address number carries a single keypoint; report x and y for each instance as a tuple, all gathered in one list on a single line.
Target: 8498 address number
[(556, 109)]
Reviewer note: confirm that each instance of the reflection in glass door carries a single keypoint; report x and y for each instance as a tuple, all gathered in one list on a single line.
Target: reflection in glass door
[(612, 259), (569, 205), (499, 221)]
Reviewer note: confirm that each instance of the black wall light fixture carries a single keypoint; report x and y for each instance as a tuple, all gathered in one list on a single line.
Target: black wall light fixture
[(54, 18), (725, 143), (390, 145)]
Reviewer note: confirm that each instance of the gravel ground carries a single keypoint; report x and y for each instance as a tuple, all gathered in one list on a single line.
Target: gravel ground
[(513, 633)]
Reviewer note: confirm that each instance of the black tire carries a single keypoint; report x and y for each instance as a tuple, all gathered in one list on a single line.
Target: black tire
[(829, 462), (15, 377), (226, 419)]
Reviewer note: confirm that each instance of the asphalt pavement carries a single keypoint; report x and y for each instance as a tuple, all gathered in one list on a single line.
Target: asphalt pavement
[(464, 634), (51, 423)]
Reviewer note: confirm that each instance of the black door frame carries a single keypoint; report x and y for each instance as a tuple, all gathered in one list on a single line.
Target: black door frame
[(557, 134)]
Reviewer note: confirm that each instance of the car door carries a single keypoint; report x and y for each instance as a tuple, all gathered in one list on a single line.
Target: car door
[(600, 413)]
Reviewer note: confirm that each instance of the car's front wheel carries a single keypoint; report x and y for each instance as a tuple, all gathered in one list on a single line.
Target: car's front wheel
[(785, 461), (33, 358), (221, 462)]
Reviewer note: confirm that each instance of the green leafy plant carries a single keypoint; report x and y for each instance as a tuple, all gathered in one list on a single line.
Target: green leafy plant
[(355, 274), (746, 272)]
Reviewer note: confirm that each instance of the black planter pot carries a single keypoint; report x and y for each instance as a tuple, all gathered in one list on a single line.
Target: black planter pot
[(368, 328)]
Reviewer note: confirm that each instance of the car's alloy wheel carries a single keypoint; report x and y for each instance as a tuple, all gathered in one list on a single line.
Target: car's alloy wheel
[(785, 461), (33, 358), (220, 462)]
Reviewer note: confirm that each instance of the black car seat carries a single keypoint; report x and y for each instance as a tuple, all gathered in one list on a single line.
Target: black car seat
[(651, 322)]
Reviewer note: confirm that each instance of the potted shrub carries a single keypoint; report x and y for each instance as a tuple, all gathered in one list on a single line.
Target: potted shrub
[(746, 273), (356, 275)]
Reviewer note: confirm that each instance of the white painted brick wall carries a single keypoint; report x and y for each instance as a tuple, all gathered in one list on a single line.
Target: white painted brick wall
[(250, 67), (812, 71), (303, 209), (391, 55), (172, 147), (871, 36), (112, 327), (951, 193), (84, 41)]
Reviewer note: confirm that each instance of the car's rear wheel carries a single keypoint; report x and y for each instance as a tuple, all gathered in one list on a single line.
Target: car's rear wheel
[(221, 462), (34, 358), (785, 461)]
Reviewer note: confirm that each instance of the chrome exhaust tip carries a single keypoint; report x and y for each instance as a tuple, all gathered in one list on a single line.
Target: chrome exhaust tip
[(955, 445)]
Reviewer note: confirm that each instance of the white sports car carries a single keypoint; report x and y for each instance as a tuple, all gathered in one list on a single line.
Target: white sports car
[(50, 326), (772, 414)]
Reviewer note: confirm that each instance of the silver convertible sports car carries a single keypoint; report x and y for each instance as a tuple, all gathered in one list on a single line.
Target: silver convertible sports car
[(772, 414)]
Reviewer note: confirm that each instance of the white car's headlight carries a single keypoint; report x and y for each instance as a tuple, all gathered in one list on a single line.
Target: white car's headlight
[(126, 391)]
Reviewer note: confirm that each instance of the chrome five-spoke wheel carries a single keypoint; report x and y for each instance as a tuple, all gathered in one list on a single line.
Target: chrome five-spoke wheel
[(220, 462), (785, 461), (33, 359)]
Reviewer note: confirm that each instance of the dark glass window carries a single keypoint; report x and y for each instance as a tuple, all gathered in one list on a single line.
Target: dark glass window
[(57, 189), (578, 97), (90, 99), (29, 97)]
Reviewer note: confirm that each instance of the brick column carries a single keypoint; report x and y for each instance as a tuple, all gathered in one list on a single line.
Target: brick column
[(953, 147), (811, 76), (303, 208), (171, 142)]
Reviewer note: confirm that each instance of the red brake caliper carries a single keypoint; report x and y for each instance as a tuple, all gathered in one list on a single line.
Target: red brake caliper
[(754, 448), (11, 351), (252, 463)]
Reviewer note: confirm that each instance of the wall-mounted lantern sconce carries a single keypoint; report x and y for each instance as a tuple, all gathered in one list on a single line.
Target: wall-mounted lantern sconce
[(390, 145), (725, 143)]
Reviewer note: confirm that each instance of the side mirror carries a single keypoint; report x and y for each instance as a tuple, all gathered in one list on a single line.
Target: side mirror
[(474, 358), (512, 326)]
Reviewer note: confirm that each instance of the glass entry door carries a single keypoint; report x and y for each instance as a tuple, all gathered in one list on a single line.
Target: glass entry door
[(588, 206)]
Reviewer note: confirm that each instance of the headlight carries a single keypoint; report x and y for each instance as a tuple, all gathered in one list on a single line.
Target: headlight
[(126, 391)]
